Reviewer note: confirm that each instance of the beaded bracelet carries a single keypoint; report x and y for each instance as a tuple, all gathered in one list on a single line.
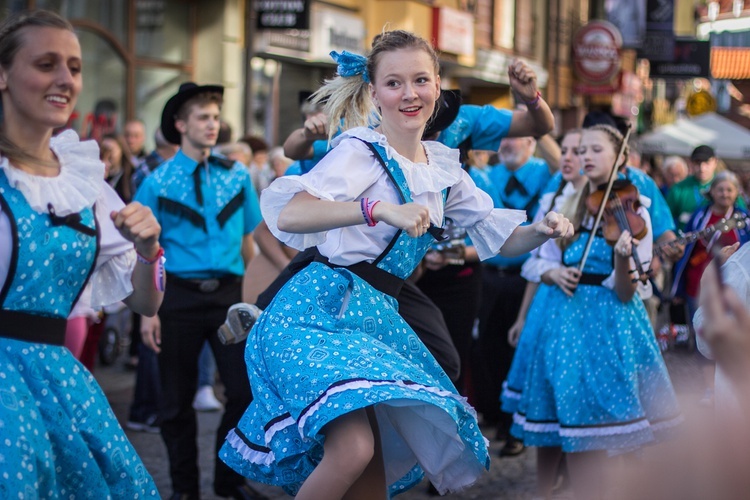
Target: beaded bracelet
[(535, 102), (158, 259)]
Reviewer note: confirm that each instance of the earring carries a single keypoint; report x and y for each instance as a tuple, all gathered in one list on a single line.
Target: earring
[(581, 172)]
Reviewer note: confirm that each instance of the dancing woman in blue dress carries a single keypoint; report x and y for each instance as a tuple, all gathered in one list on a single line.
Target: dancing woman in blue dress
[(61, 228), (596, 381), (349, 403)]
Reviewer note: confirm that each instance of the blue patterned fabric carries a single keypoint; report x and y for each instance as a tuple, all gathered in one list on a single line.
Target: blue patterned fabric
[(329, 344), (46, 280), (60, 438), (596, 379)]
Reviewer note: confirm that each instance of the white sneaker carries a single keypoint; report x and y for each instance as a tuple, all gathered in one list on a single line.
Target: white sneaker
[(205, 400)]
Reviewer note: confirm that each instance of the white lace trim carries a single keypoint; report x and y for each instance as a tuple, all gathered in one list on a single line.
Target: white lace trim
[(111, 281), (75, 188), (276, 196), (369, 384), (247, 453), (609, 430), (509, 393), (442, 169), (490, 234)]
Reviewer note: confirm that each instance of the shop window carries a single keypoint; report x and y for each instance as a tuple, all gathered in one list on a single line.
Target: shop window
[(101, 105), (111, 15), (162, 30), (503, 33)]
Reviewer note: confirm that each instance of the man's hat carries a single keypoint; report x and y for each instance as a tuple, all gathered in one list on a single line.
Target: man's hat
[(445, 112), (187, 90), (702, 153)]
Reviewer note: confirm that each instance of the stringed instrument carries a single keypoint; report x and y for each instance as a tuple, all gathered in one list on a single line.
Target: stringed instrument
[(735, 221)]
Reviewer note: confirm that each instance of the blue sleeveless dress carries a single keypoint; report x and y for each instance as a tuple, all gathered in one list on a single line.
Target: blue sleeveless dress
[(60, 438), (329, 344), (595, 379)]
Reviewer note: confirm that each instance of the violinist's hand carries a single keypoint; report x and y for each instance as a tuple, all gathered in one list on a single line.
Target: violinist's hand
[(411, 217), (564, 277), (522, 80), (624, 245), (555, 225), (137, 224)]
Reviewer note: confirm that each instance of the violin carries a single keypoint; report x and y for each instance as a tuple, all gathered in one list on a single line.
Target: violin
[(620, 211)]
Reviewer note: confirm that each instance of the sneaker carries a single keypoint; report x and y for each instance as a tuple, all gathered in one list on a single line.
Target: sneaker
[(150, 425), (240, 319), (707, 399), (205, 400)]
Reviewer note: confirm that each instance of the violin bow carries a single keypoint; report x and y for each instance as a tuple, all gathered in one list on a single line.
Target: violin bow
[(608, 190)]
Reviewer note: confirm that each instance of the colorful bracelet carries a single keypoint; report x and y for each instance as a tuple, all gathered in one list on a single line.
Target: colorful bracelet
[(366, 207), (535, 102), (158, 268)]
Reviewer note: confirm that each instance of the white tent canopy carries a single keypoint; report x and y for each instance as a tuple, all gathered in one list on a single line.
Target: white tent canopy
[(730, 140)]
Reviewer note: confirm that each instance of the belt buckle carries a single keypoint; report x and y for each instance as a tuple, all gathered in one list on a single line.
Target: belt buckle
[(208, 286)]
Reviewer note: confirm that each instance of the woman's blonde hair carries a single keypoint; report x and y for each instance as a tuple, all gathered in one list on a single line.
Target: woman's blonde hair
[(11, 41), (347, 99)]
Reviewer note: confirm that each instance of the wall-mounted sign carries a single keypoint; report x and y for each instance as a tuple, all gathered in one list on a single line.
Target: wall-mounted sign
[(596, 58), (690, 59), (453, 31), (283, 14)]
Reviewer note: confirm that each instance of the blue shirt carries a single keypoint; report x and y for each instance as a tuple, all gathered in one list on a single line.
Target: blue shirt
[(661, 216), (533, 176), (486, 126), (202, 231)]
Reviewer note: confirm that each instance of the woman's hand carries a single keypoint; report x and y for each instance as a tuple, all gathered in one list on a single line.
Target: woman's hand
[(564, 277), (411, 217), (624, 245), (137, 224), (514, 332), (555, 225), (522, 80)]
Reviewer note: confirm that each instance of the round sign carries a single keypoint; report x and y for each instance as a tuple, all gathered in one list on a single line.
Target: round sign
[(596, 52)]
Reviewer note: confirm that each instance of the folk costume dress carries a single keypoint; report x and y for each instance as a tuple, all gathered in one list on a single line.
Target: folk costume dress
[(596, 379), (330, 342), (60, 438)]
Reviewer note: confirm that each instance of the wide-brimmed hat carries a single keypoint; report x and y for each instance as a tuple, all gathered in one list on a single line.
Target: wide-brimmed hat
[(445, 112), (186, 91)]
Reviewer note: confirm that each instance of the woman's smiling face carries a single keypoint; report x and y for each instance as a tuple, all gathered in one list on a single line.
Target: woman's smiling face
[(405, 89)]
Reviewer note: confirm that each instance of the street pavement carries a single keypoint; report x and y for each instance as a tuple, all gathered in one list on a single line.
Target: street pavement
[(509, 478)]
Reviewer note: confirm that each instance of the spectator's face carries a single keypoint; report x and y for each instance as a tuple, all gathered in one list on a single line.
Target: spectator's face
[(201, 127), (675, 173), (724, 194), (111, 155), (135, 136), (704, 171), (515, 151)]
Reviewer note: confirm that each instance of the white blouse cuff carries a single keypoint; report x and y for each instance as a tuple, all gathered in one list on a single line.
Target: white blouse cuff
[(490, 234), (534, 268), (273, 200), (111, 282)]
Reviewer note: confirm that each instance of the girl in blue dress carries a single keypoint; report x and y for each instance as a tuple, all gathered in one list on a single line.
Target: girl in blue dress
[(595, 381), (61, 228), (348, 402)]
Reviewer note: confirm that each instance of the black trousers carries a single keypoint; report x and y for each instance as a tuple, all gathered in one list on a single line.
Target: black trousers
[(456, 291), (502, 294), (419, 312), (189, 318)]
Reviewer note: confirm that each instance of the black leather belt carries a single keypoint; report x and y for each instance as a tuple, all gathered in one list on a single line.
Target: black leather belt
[(381, 280), (208, 285), (592, 279), (32, 328)]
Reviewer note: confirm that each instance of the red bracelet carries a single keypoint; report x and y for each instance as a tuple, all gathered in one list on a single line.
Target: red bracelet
[(370, 207), (535, 102), (148, 262)]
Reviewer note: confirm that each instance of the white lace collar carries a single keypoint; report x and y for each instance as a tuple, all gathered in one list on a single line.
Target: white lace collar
[(442, 169), (76, 187)]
